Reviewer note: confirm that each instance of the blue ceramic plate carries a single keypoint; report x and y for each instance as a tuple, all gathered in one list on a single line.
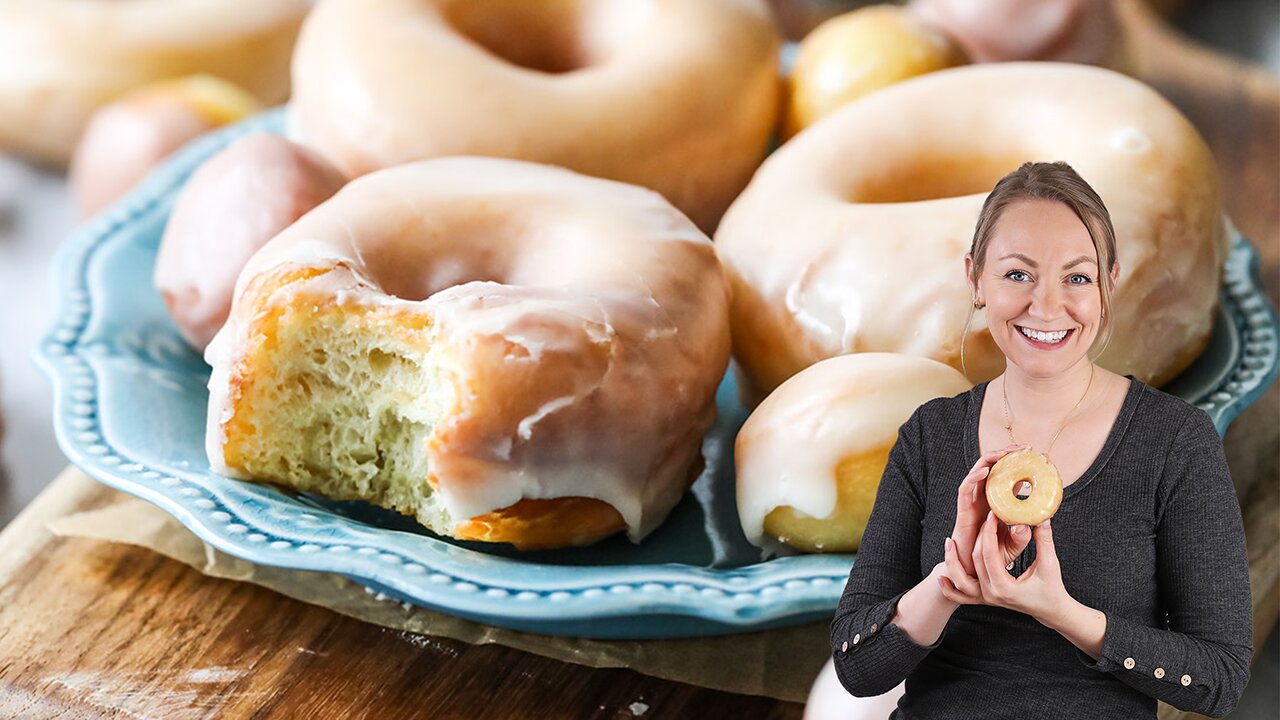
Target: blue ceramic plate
[(130, 411)]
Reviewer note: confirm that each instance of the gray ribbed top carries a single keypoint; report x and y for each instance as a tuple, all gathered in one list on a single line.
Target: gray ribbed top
[(1151, 535)]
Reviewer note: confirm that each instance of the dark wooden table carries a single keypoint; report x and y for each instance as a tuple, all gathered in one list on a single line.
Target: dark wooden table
[(93, 629)]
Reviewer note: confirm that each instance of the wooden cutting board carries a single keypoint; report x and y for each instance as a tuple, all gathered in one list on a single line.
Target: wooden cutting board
[(92, 629)]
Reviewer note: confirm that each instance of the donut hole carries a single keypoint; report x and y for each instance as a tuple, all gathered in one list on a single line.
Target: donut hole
[(548, 37), (458, 246), (464, 242), (415, 282), (931, 177), (1022, 489)]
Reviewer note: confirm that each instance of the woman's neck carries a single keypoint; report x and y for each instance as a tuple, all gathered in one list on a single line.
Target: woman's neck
[(1036, 400)]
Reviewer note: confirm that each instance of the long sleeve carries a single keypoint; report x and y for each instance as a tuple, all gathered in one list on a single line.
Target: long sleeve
[(1201, 661), (872, 655)]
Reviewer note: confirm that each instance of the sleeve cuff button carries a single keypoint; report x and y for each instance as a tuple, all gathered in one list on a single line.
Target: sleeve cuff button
[(1128, 663), (1159, 673), (844, 646), (857, 639), (1186, 680), (874, 627)]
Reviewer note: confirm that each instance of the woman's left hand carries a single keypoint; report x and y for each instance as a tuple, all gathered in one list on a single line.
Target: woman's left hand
[(1038, 592)]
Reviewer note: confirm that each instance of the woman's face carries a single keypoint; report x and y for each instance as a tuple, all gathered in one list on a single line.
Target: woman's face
[(1041, 274)]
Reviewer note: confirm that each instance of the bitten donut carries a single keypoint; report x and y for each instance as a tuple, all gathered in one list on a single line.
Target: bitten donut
[(127, 138), (679, 96), (232, 205), (877, 205), (63, 59), (506, 351), (1004, 488), (810, 457)]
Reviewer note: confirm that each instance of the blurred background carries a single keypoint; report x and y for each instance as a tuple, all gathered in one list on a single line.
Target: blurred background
[(37, 213)]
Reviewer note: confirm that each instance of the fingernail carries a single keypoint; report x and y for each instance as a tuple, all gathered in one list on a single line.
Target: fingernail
[(946, 546)]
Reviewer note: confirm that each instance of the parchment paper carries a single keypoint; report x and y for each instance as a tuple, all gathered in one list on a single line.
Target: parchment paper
[(780, 663)]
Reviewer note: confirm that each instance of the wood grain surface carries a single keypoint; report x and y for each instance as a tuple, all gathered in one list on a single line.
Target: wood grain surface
[(91, 629)]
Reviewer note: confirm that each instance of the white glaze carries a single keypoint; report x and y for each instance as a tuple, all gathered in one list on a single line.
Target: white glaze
[(789, 448)]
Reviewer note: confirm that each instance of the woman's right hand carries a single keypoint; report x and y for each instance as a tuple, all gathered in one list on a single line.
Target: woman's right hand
[(972, 509)]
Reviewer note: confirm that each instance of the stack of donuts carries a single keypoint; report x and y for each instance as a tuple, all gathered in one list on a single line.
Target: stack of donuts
[(476, 282)]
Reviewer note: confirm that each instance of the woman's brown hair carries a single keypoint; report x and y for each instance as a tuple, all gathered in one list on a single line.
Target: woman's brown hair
[(1058, 182)]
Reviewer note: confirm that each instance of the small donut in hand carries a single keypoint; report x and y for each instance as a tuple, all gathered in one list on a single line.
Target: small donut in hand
[(1009, 473)]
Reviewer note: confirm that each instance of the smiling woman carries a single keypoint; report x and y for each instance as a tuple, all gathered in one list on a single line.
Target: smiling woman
[(1045, 211), (1140, 589)]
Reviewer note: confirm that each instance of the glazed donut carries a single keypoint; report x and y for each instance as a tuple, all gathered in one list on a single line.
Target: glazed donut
[(479, 343), (127, 138), (233, 204), (1011, 471), (809, 459), (64, 59), (874, 251), (679, 96)]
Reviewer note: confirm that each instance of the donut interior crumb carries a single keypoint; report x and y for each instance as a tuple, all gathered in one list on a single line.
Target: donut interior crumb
[(341, 401)]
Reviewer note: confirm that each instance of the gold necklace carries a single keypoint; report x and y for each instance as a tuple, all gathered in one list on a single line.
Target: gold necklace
[(1008, 424)]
